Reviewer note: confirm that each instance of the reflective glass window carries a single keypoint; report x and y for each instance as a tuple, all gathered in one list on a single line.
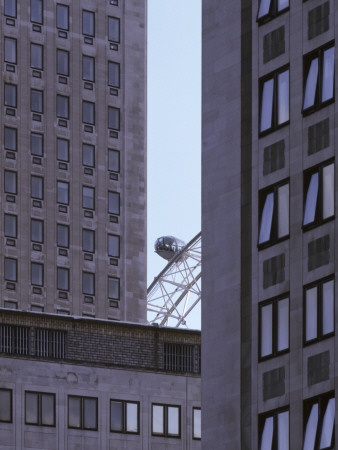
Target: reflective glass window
[(88, 197), (113, 74), (10, 8), (88, 283), (10, 137), (124, 416), (166, 420), (37, 56), (36, 101), (11, 226), (62, 147), (88, 68), (88, 240), (62, 62), (63, 278), (114, 245), (196, 423), (268, 9), (62, 235), (37, 187), (37, 230), (36, 274), (10, 182), (10, 269), (319, 418), (88, 112), (10, 95), (113, 118), (62, 192), (62, 20), (37, 144), (114, 288), (114, 203), (88, 155), (113, 160), (82, 412), (5, 405), (274, 430), (10, 50), (88, 23), (113, 29), (37, 11), (62, 106)]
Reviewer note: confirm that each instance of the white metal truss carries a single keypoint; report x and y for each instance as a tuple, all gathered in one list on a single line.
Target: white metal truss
[(176, 291)]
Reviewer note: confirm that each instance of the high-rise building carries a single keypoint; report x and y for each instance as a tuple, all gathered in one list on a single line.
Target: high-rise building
[(73, 138), (268, 224)]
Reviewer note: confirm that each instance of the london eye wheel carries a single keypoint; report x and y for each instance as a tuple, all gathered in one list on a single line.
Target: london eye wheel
[(176, 292)]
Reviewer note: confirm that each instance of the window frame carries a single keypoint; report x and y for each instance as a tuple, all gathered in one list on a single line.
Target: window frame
[(39, 283), (195, 408), (84, 248), (118, 196), (6, 7), (110, 64), (124, 416), (15, 175), (84, 205), (88, 109), (272, 13), (112, 19), (91, 65), (57, 235), (15, 262), (111, 110), (58, 149), (15, 132), (39, 96), (40, 136), (92, 276), (319, 309), (39, 63), (307, 60), (15, 92), (117, 152), (165, 432), (275, 125), (66, 271), (82, 407), (322, 401), (41, 223), (91, 147), (39, 2), (10, 391), (62, 7), (275, 222), (60, 114), (92, 14), (110, 277), (119, 245), (274, 415), (274, 302), (307, 176), (58, 195), (6, 58), (66, 53), (39, 409), (41, 180), (14, 217)]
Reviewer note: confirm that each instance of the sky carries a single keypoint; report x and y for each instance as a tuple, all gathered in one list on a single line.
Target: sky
[(174, 123)]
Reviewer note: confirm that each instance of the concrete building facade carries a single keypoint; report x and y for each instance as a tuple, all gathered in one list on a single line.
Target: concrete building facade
[(73, 138), (269, 127)]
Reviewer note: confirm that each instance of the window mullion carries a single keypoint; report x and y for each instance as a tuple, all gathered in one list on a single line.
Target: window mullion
[(274, 329)]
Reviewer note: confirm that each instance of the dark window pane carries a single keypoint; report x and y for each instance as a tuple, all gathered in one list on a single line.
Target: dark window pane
[(88, 197), (88, 68), (90, 413), (47, 409), (116, 416), (37, 230), (114, 245), (88, 155), (36, 11), (10, 269), (36, 144), (37, 274), (88, 283), (10, 138), (37, 56), (114, 74), (113, 118), (10, 50), (62, 235), (74, 412), (62, 60), (62, 192), (114, 160), (63, 279), (10, 226), (5, 405), (36, 101), (88, 112), (88, 23), (113, 203), (88, 241), (10, 95), (62, 105), (62, 149), (31, 408), (10, 182), (113, 29), (37, 187), (10, 8), (62, 16)]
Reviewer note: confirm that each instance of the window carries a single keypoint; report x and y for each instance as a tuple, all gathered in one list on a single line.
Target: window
[(10, 50), (319, 310), (318, 79), (82, 412), (88, 23), (40, 409), (88, 283), (114, 288), (5, 405), (37, 56), (113, 118), (36, 274), (114, 245), (88, 196), (11, 226), (88, 155), (113, 29), (37, 187), (37, 11), (10, 182), (36, 101), (114, 203), (273, 327), (62, 13), (10, 95), (319, 422), (62, 192), (271, 8), (88, 68), (274, 101), (10, 8), (62, 149), (88, 241), (274, 214), (274, 430), (37, 144), (113, 74), (318, 195), (166, 420), (88, 112), (10, 139), (11, 269), (37, 230), (196, 423), (62, 106), (113, 160), (62, 62), (63, 279), (62, 235), (124, 416)]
